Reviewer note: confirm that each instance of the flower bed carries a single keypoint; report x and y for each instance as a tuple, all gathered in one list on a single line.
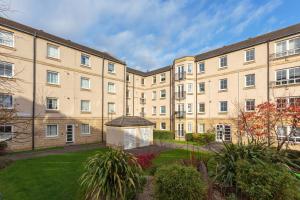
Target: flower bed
[(145, 160)]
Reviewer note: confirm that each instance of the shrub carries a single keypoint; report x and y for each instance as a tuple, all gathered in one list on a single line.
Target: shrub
[(189, 137), (3, 146), (112, 175), (204, 138), (145, 160), (163, 135), (266, 181), (175, 182)]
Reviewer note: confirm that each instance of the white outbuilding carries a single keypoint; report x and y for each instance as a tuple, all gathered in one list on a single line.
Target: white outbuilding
[(129, 132)]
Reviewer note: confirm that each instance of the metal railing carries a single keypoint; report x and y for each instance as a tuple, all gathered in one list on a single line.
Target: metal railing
[(287, 81), (180, 114), (180, 95), (180, 76), (142, 101), (285, 53)]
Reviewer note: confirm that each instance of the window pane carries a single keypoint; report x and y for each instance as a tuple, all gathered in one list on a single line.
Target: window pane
[(6, 101), (85, 105), (6, 38), (6, 69), (53, 51)]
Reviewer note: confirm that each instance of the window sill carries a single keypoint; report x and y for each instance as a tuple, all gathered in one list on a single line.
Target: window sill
[(220, 91), (201, 113), (249, 62), (199, 73), (8, 47), (200, 92), (189, 113), (190, 93), (249, 87), (153, 99), (222, 68), (86, 66), (113, 93), (53, 85), (85, 89), (162, 114), (114, 73), (55, 59), (85, 134), (7, 78), (223, 113), (162, 81), (112, 113), (52, 111), (249, 111), (162, 97), (52, 137), (85, 112)]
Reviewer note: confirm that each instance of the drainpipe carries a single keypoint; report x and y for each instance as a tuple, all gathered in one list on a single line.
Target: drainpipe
[(196, 98), (170, 105), (102, 125), (125, 96), (34, 91), (173, 97), (133, 95), (268, 88)]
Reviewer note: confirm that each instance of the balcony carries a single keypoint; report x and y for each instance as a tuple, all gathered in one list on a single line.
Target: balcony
[(180, 95), (286, 53), (180, 76), (180, 114), (142, 101), (286, 82)]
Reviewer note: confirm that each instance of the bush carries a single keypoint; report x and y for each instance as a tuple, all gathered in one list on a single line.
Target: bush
[(163, 135), (189, 137), (266, 181), (112, 175), (145, 160), (205, 138), (3, 146), (179, 182)]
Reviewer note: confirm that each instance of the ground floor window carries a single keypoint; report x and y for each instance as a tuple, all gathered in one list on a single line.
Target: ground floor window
[(190, 127), (163, 125), (288, 131), (6, 132), (201, 128), (85, 129), (180, 130), (52, 130)]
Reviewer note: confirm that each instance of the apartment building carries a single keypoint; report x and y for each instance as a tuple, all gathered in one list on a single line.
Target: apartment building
[(68, 91)]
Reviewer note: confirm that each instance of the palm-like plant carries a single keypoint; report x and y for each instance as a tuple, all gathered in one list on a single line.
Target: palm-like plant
[(112, 175)]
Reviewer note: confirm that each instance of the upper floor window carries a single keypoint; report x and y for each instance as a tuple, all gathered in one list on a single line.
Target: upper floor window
[(153, 79), (128, 94), (223, 106), (287, 47), (111, 107), (85, 106), (153, 95), (223, 84), (163, 110), (111, 68), (250, 55), (190, 68), (111, 87), (6, 132), (52, 51), (142, 81), (201, 107), (190, 88), (201, 67), (201, 87), (190, 108), (52, 103), (154, 110), (6, 101), (288, 76), (6, 38), (85, 83), (163, 77), (52, 77), (163, 94), (6, 69), (127, 77), (85, 60), (250, 80), (250, 104), (223, 62)]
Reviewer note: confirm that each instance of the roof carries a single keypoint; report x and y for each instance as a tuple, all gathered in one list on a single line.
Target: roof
[(275, 35), (127, 121), (149, 73), (47, 36)]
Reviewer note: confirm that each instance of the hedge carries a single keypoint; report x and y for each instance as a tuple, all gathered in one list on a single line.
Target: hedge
[(163, 135), (200, 138)]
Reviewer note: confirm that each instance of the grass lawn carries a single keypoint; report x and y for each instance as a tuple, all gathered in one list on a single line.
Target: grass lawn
[(56, 176)]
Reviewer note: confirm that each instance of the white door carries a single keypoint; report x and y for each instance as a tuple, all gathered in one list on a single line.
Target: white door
[(145, 137), (129, 138), (69, 133), (223, 133), (180, 130)]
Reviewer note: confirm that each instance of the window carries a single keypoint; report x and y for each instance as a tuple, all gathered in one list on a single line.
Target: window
[(163, 126), (52, 77), (6, 101), (111, 107), (250, 104), (223, 84), (127, 77), (127, 110), (190, 88), (190, 108), (287, 131), (162, 110), (52, 103), (6, 38), (250, 55), (85, 129), (85, 106), (223, 106), (153, 95), (201, 107), (294, 102), (142, 81), (153, 110), (223, 62), (85, 60), (6, 69), (6, 132), (111, 68), (190, 68), (288, 76), (85, 83), (153, 79), (111, 87), (163, 77), (52, 130), (287, 47), (190, 127), (282, 103), (250, 80), (201, 87), (53, 51), (201, 67), (163, 94), (201, 128)]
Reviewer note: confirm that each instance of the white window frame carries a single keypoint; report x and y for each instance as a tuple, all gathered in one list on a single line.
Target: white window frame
[(163, 76), (12, 69), (189, 108), (199, 68), (89, 60), (287, 81), (113, 91), (154, 110), (201, 103), (201, 92), (85, 133), (154, 79), (128, 77), (81, 101), (160, 94), (190, 88), (245, 57), (161, 128), (8, 135), (247, 75), (52, 98), (203, 128), (154, 95), (142, 81), (220, 106), (248, 100), (58, 51), (114, 107), (160, 110), (58, 77), (190, 127), (12, 100), (114, 68), (57, 130), (190, 68), (220, 84), (220, 62), (89, 81), (13, 38)]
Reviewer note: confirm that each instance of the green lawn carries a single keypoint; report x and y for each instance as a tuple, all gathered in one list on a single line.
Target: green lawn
[(56, 176)]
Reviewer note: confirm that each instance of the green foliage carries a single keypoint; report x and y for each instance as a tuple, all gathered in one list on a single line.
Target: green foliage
[(189, 137), (266, 181), (112, 175), (201, 138), (175, 182), (163, 135), (3, 146)]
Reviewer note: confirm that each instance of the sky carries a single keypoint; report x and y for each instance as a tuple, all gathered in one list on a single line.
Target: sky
[(148, 34)]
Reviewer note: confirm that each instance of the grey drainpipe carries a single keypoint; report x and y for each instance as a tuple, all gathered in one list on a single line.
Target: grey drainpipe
[(34, 91), (170, 105), (268, 87), (102, 125), (196, 98), (125, 96)]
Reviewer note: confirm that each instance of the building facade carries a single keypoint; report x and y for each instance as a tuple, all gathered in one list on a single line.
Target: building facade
[(67, 91)]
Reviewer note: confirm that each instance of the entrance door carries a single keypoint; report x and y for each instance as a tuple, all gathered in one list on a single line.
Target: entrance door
[(180, 130), (223, 133), (70, 133), (145, 137), (129, 138)]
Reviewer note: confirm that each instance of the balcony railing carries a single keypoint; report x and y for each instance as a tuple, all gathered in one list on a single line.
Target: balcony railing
[(285, 53), (180, 114), (287, 82), (180, 76), (180, 133), (142, 101), (180, 95), (295, 139)]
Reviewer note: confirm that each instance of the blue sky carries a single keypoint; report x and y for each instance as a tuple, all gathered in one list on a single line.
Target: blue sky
[(149, 34)]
